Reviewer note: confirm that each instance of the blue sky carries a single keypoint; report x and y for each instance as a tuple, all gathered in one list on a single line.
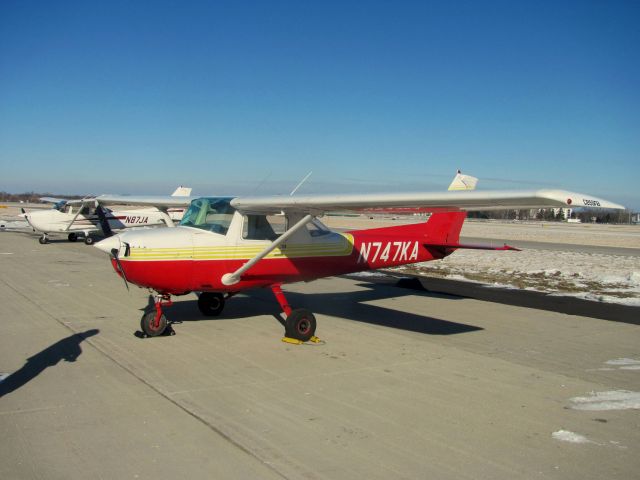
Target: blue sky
[(247, 97)]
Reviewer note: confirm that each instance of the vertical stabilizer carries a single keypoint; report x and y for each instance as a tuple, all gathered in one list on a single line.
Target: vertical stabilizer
[(444, 228), (181, 192), (463, 182)]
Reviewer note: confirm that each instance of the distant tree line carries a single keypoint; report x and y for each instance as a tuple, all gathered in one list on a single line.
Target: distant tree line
[(556, 215), (32, 197)]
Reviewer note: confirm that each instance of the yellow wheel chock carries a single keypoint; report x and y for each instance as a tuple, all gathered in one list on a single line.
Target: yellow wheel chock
[(295, 341)]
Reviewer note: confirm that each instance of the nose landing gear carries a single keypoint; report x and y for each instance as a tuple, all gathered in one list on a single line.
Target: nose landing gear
[(153, 322)]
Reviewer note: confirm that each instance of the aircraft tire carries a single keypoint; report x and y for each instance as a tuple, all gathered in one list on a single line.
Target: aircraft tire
[(43, 240), (89, 240), (300, 324), (73, 237), (211, 303), (147, 324)]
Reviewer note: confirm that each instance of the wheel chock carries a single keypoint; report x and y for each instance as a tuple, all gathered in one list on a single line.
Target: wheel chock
[(295, 341)]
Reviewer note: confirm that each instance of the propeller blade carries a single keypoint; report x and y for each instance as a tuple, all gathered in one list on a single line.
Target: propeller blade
[(114, 253), (104, 223)]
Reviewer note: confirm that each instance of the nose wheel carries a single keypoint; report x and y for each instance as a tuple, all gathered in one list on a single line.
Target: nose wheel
[(154, 322)]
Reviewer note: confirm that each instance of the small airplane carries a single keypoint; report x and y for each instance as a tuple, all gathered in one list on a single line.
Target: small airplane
[(89, 215), (224, 245)]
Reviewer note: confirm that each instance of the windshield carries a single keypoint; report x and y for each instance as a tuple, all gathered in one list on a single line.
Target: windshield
[(211, 214)]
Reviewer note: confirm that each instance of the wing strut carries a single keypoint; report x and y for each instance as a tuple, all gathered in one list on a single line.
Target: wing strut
[(75, 217), (165, 216), (233, 278)]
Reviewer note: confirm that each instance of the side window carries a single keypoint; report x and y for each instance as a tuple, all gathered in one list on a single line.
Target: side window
[(263, 227), (86, 210), (317, 229)]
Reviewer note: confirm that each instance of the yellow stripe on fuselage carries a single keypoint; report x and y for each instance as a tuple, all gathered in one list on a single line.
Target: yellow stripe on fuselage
[(245, 252)]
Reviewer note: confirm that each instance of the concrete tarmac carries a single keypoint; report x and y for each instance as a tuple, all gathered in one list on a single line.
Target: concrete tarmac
[(408, 384)]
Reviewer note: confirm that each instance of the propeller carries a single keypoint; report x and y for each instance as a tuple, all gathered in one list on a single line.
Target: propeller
[(104, 223), (114, 254)]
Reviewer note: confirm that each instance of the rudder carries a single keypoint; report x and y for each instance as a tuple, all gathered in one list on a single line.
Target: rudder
[(444, 228)]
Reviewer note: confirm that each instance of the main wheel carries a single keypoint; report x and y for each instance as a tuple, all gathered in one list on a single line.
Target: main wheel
[(301, 325), (73, 237), (43, 239), (148, 324), (89, 240), (211, 303)]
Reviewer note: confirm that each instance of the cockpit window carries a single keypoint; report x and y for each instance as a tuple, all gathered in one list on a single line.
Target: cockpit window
[(263, 227), (213, 214)]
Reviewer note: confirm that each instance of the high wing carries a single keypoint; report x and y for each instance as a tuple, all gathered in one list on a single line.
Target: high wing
[(158, 201), (53, 200), (422, 201)]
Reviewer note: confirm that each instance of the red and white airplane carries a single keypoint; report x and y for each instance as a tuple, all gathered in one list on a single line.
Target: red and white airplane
[(89, 215), (225, 245)]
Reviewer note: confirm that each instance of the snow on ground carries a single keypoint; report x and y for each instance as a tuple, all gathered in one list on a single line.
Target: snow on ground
[(611, 400), (625, 363), (567, 436), (592, 276)]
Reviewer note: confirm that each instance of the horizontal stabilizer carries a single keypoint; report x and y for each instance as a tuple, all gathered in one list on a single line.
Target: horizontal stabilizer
[(468, 246)]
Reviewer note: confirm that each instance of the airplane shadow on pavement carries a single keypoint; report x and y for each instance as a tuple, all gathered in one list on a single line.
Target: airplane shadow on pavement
[(67, 349), (350, 306)]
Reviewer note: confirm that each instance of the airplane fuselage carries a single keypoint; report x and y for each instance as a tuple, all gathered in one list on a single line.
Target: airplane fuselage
[(183, 259)]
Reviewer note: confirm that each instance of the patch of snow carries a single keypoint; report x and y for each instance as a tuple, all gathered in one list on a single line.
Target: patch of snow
[(623, 361), (611, 400), (592, 276), (371, 273), (567, 436)]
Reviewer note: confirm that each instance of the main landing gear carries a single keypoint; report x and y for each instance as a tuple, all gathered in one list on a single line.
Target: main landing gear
[(299, 324), (211, 303)]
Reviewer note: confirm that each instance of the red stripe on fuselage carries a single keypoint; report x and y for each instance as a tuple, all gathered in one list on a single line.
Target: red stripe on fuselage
[(371, 251)]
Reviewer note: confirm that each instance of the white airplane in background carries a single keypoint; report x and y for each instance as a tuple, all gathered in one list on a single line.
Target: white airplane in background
[(90, 215)]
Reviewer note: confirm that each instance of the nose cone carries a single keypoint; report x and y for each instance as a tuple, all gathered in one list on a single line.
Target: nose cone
[(108, 244)]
